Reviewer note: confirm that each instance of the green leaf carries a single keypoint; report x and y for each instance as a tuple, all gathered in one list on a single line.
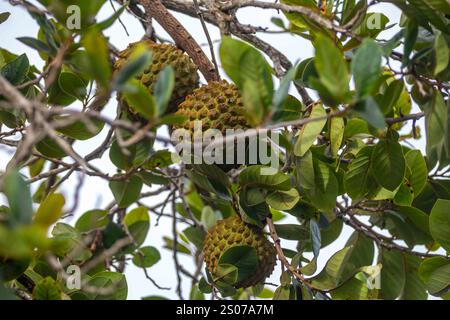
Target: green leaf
[(48, 147), (72, 85), (243, 64), (435, 125), (309, 132), (16, 70), (80, 130), (283, 200), (196, 235), (292, 232), (36, 44), (139, 60), (362, 254), (244, 258), (47, 289), (326, 187), (209, 217), (97, 51), (359, 181), (114, 282), (283, 91), (331, 67), (330, 277), (442, 53), (19, 198), (91, 220), (388, 163), (126, 191), (369, 110), (254, 176), (164, 88), (146, 257), (138, 224), (316, 238), (337, 127), (440, 223), (435, 272), (393, 275), (4, 16), (50, 210), (418, 172), (366, 67), (140, 100), (414, 287)]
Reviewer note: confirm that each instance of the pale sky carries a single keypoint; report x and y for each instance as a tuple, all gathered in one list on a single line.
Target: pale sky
[(96, 193)]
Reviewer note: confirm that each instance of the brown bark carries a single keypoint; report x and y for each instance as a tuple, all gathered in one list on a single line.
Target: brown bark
[(181, 36)]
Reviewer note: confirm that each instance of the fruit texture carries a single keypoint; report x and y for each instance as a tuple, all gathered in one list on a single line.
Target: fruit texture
[(186, 75), (218, 105), (232, 232)]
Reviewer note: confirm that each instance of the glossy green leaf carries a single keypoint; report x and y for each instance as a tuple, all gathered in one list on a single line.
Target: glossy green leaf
[(19, 199), (92, 219), (146, 257), (366, 67), (126, 191), (50, 210), (388, 163), (138, 224), (440, 223), (331, 67), (309, 132)]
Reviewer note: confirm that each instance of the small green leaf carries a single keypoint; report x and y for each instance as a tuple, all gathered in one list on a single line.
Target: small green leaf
[(16, 70), (366, 67), (139, 60), (337, 127), (92, 219), (138, 224), (418, 172), (164, 88), (369, 110), (310, 130), (244, 258), (283, 200), (388, 163), (47, 289), (440, 223), (331, 67), (292, 232), (146, 257), (50, 210), (140, 100), (114, 281), (4, 16), (97, 51), (359, 181), (126, 191), (393, 276), (19, 199), (72, 85), (330, 276)]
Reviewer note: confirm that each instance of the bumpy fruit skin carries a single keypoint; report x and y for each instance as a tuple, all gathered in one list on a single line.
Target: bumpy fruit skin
[(218, 105), (186, 75), (233, 232)]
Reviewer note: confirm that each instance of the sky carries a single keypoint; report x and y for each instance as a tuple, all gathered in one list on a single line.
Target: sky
[(96, 193)]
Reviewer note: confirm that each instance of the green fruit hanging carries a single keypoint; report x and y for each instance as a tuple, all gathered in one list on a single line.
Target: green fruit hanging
[(217, 105), (233, 232), (163, 55)]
